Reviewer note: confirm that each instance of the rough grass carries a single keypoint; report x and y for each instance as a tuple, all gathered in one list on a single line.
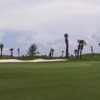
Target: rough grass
[(50, 81)]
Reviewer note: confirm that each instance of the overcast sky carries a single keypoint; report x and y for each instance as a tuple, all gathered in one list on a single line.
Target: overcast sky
[(44, 22)]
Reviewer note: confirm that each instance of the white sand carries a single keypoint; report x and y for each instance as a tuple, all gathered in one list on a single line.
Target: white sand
[(36, 60)]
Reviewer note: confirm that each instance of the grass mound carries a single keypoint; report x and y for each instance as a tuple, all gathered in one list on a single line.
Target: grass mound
[(87, 57)]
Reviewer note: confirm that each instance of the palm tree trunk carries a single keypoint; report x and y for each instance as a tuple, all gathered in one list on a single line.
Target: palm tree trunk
[(81, 54), (1, 53), (62, 54), (99, 50), (78, 53), (75, 54), (67, 54), (18, 54), (18, 50), (11, 54)]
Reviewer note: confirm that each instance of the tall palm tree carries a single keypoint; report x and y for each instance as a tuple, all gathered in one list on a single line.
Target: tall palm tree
[(18, 50), (67, 44), (1, 48), (81, 44), (75, 51), (11, 50)]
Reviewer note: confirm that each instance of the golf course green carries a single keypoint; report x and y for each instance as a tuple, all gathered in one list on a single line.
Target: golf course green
[(50, 81)]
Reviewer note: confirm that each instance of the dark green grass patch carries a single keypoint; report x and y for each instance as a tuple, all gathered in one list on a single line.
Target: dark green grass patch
[(50, 81), (30, 57)]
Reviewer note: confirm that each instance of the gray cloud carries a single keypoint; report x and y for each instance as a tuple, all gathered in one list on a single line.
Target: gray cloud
[(45, 22)]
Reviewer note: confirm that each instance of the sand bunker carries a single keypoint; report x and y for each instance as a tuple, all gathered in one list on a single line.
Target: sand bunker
[(36, 60)]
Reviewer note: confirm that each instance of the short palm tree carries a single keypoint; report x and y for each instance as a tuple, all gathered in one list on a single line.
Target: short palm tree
[(81, 44), (1, 48), (67, 44), (11, 50), (52, 52), (99, 44), (92, 50), (38, 52), (75, 51), (18, 50), (62, 53)]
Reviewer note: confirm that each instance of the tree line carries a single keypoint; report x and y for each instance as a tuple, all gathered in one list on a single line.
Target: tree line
[(33, 49), (78, 51)]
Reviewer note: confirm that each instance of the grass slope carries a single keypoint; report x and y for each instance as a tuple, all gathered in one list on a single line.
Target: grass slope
[(87, 57), (50, 81), (92, 57)]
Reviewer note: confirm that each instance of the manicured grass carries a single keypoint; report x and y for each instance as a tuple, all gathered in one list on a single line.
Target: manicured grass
[(50, 81)]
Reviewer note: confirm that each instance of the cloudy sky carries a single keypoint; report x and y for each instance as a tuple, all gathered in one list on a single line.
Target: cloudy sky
[(44, 22)]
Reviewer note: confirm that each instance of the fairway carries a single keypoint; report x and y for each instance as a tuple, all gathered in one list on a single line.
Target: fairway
[(50, 81)]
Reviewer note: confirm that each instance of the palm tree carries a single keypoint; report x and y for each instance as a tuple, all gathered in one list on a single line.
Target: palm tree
[(1, 48), (99, 44), (75, 51), (62, 53), (52, 52), (18, 50), (81, 44), (67, 44), (92, 50), (11, 50), (38, 52)]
